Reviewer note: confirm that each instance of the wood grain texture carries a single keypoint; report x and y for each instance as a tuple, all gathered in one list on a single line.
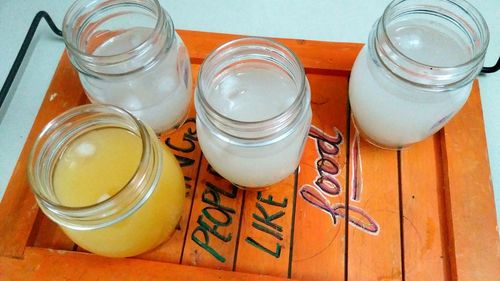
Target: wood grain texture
[(322, 60), (18, 209), (424, 215), (470, 202), (323, 258), (377, 256), (49, 235), (47, 264)]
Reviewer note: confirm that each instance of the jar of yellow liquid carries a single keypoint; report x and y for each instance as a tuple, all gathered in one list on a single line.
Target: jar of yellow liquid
[(104, 177)]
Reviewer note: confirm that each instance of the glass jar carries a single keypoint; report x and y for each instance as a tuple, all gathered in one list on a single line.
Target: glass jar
[(253, 111), (104, 177), (128, 54), (416, 71)]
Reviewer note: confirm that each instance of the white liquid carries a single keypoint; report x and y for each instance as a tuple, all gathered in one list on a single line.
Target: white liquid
[(158, 96), (253, 92), (394, 115)]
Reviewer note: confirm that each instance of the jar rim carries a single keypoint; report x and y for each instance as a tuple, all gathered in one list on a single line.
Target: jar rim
[(423, 75), (79, 9), (462, 4), (91, 216), (255, 41), (259, 132)]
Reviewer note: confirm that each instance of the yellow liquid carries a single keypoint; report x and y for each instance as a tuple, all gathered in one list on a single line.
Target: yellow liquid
[(96, 166)]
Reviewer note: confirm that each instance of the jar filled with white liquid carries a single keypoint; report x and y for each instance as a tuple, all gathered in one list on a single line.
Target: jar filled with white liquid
[(416, 71), (253, 111), (129, 55)]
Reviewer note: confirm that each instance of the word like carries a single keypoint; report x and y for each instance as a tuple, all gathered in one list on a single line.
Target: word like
[(266, 222)]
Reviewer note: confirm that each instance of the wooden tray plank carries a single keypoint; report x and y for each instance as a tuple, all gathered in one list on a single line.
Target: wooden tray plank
[(322, 60), (266, 229), (171, 250), (19, 209), (47, 264), (374, 250), (465, 204), (323, 258), (424, 221), (184, 144), (50, 235), (214, 223), (472, 218)]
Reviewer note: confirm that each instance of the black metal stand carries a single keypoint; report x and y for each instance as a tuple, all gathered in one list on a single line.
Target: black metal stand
[(24, 49), (491, 69)]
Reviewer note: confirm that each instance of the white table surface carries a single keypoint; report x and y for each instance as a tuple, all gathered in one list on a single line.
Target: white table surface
[(327, 20)]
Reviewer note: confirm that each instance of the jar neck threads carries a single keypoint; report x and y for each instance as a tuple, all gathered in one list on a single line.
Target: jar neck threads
[(395, 52), (234, 54), (59, 133), (88, 24)]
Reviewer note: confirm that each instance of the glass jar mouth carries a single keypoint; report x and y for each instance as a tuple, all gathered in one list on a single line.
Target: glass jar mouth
[(249, 44), (457, 13), (84, 17), (461, 4), (50, 144)]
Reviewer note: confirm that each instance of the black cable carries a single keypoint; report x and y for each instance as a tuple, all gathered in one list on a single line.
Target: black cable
[(24, 48), (491, 69)]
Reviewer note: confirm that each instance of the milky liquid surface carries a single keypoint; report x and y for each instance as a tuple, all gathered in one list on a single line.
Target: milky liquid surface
[(252, 92), (430, 43)]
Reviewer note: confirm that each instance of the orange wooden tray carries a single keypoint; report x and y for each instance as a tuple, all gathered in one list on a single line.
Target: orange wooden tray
[(351, 212)]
